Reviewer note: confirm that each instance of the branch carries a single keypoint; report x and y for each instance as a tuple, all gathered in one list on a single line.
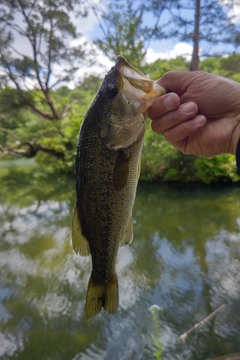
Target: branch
[(23, 96), (33, 42), (34, 148), (65, 78), (97, 17), (10, 151), (33, 5), (14, 27), (155, 26), (27, 101), (32, 151), (49, 55), (15, 50), (184, 335)]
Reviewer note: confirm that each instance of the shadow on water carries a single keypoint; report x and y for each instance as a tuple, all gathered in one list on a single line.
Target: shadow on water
[(185, 258)]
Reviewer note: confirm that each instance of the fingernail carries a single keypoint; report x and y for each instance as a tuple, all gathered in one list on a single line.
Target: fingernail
[(188, 107), (169, 102), (200, 120)]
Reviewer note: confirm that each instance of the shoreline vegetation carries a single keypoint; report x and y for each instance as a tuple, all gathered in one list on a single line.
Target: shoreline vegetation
[(51, 145)]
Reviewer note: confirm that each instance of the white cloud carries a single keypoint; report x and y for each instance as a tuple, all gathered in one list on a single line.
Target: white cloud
[(234, 12), (103, 64), (85, 25), (100, 67), (180, 49)]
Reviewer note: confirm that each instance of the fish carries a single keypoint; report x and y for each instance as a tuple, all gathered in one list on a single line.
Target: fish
[(107, 168)]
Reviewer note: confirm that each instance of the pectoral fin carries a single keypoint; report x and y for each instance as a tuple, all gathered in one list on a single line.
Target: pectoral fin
[(79, 242), (128, 235), (121, 170)]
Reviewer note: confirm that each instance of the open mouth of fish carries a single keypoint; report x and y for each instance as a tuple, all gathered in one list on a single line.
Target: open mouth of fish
[(138, 85)]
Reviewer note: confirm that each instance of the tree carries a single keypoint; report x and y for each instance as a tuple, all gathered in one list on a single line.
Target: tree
[(123, 29), (126, 28), (204, 22), (45, 29)]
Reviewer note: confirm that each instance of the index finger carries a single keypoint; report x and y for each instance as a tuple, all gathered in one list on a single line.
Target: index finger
[(163, 105)]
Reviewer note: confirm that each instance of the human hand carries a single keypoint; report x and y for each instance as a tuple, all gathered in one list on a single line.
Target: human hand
[(201, 115)]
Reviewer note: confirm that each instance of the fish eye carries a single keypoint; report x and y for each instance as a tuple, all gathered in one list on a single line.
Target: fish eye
[(111, 91)]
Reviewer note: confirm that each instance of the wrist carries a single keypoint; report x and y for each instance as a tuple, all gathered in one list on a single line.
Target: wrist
[(235, 146), (238, 155)]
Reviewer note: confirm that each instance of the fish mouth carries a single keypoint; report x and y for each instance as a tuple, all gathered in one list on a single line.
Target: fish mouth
[(136, 85)]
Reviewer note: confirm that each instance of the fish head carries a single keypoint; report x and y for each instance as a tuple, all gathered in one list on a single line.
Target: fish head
[(125, 95)]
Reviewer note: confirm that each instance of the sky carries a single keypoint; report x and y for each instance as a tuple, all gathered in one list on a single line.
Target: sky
[(164, 49)]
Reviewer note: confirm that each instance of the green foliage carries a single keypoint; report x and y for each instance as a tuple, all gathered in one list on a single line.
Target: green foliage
[(64, 135), (217, 169), (162, 162), (231, 66), (47, 28), (21, 127), (123, 32), (159, 67), (211, 65), (228, 66), (43, 123), (91, 84), (156, 155)]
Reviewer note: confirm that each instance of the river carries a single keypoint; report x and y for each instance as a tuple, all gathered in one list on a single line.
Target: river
[(183, 263)]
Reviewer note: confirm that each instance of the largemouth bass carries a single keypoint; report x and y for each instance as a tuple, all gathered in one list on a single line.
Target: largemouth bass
[(107, 170)]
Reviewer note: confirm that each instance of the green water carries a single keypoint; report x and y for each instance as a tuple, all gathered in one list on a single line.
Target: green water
[(185, 258)]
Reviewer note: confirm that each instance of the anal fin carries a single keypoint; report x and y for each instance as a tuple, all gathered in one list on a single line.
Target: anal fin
[(79, 242)]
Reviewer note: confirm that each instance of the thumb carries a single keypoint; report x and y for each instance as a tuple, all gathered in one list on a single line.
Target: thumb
[(176, 81)]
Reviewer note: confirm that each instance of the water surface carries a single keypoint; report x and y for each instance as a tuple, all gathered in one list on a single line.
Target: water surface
[(185, 258)]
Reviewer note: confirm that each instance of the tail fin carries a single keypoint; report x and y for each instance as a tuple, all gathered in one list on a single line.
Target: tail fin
[(99, 296)]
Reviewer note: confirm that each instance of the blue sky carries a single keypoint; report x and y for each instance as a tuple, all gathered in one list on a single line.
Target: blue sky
[(163, 49)]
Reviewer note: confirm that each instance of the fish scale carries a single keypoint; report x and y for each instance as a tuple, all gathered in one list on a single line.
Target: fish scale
[(107, 172)]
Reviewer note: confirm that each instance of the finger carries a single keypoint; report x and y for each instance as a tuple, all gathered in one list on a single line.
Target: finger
[(178, 133), (177, 81), (163, 105), (173, 118)]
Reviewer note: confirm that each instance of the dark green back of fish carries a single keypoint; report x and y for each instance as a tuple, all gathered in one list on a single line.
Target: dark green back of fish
[(106, 185)]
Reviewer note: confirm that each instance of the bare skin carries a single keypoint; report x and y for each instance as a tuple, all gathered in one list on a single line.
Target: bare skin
[(200, 114)]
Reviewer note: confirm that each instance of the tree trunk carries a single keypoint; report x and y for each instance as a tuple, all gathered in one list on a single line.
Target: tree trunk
[(195, 55)]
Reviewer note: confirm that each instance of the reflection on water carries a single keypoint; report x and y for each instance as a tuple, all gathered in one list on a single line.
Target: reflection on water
[(185, 258)]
